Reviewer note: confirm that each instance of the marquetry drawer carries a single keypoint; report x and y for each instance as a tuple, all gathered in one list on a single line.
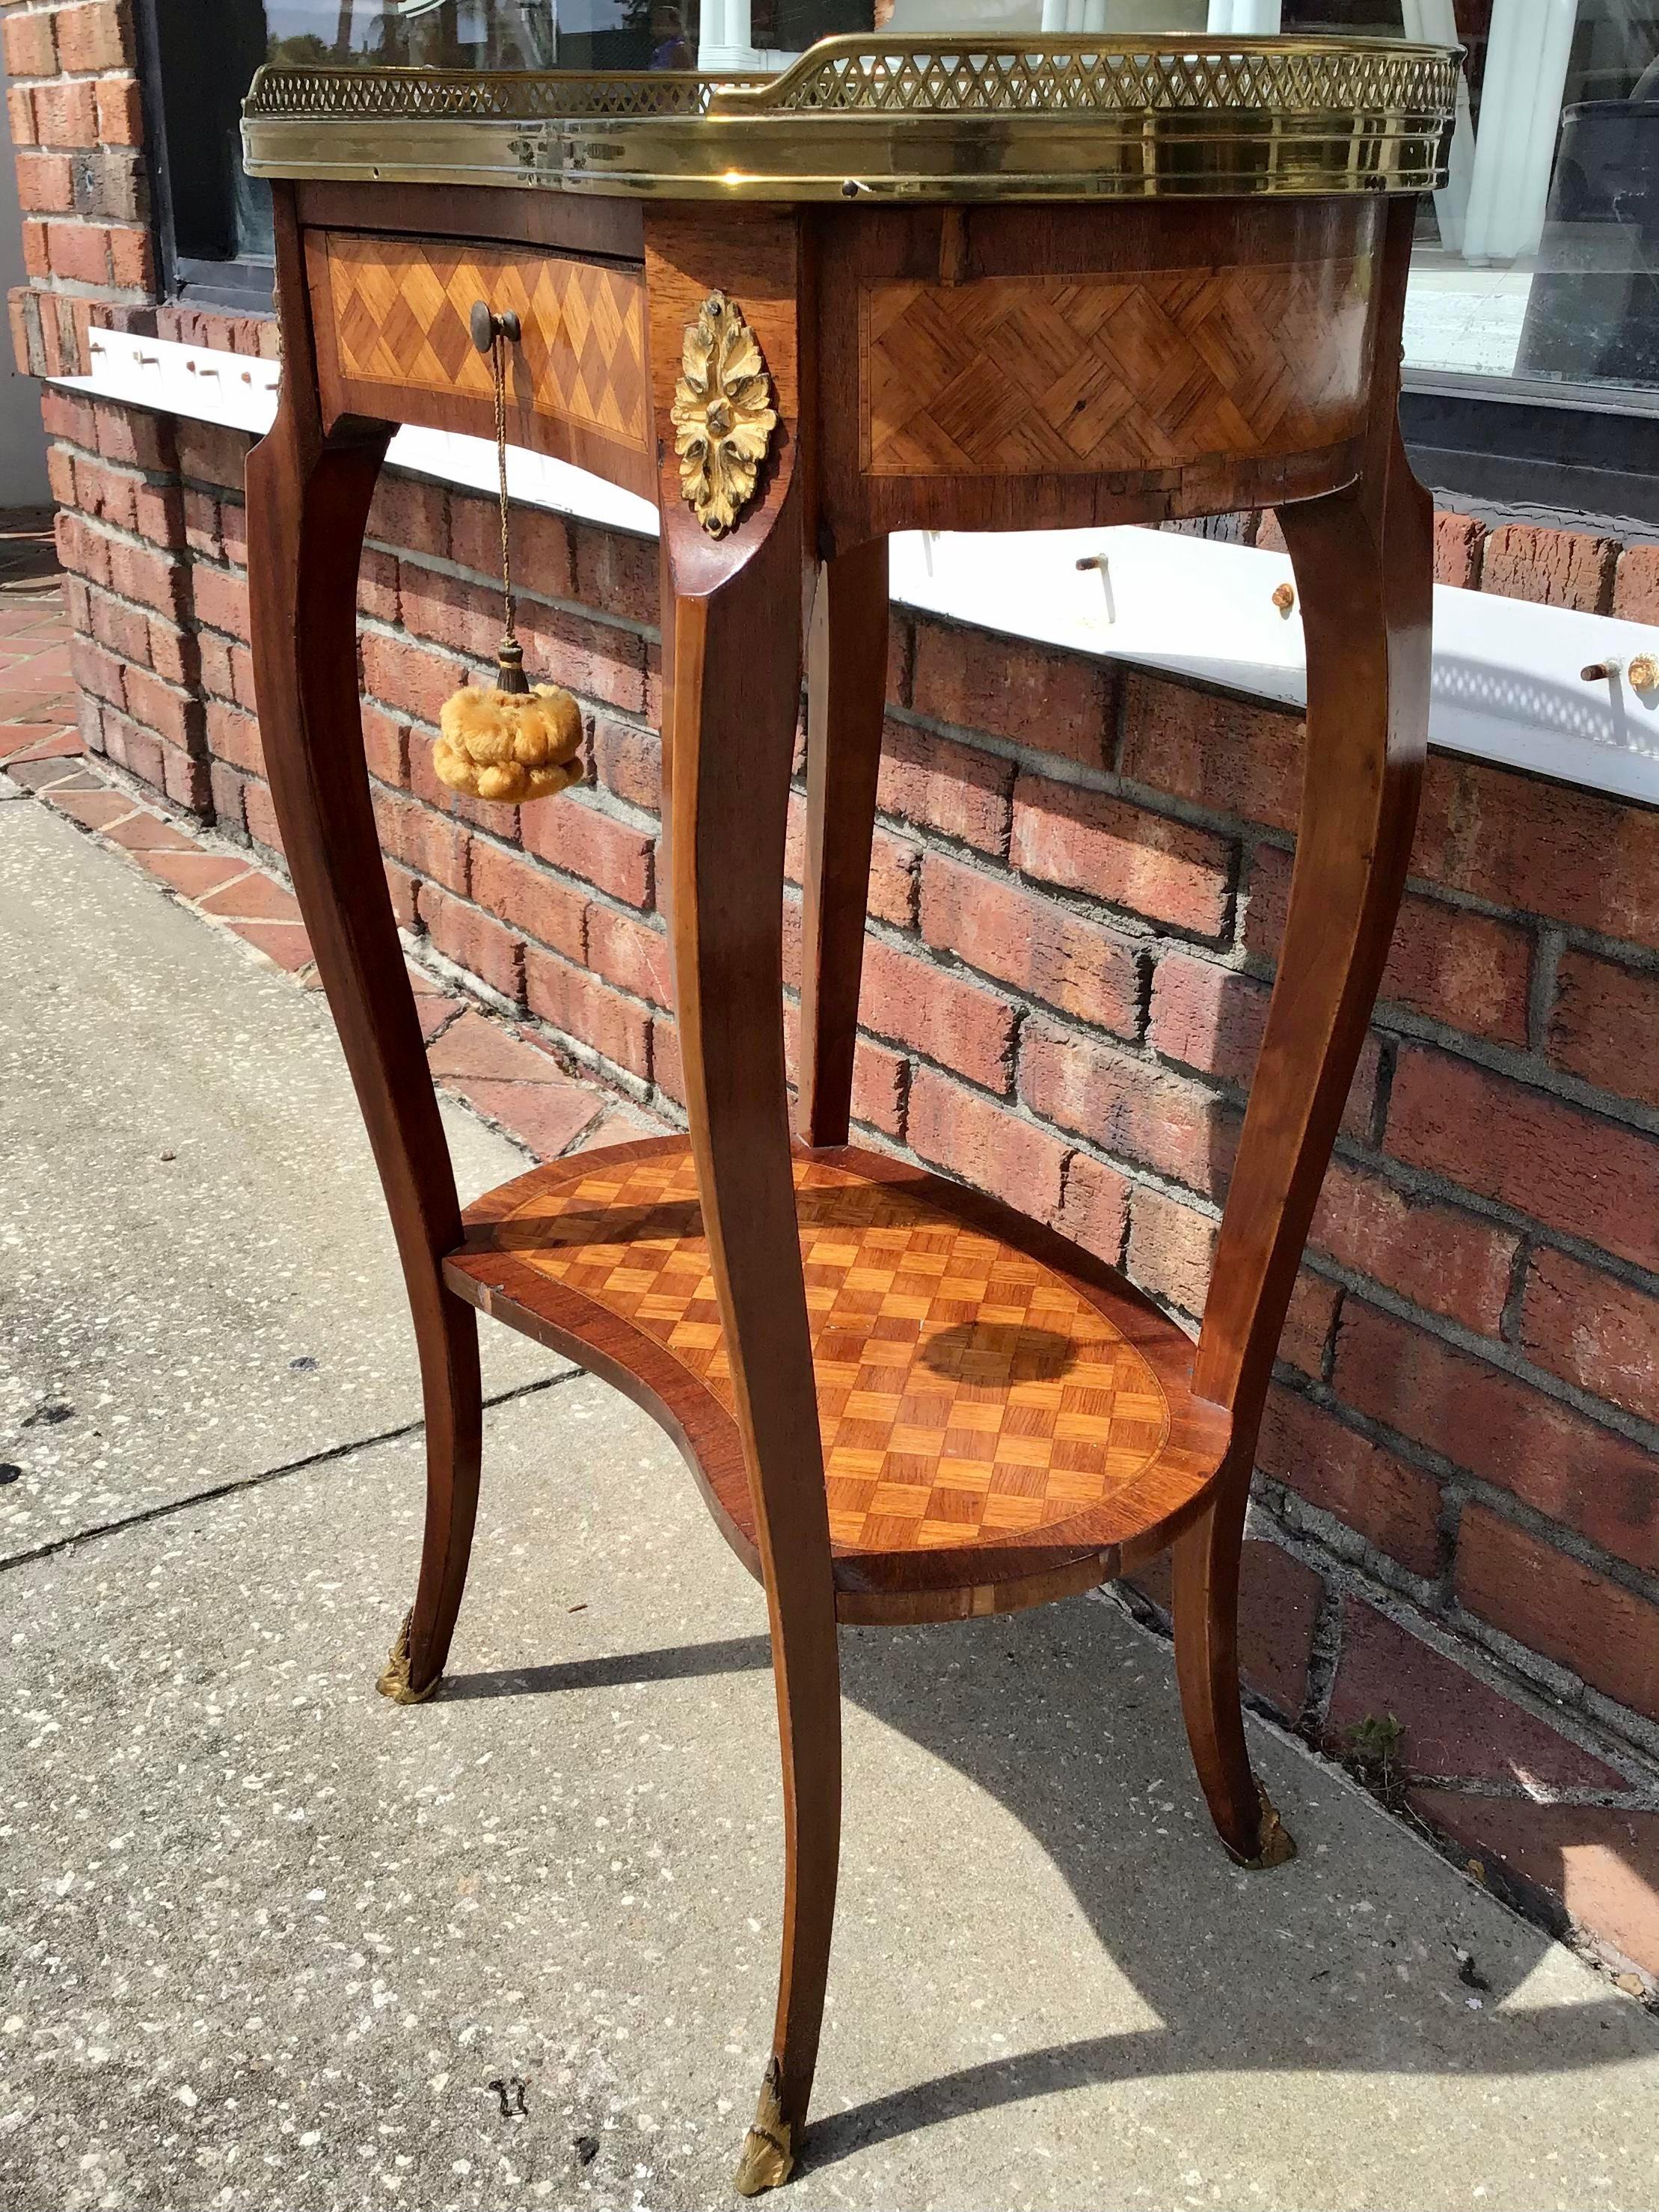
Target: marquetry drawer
[(1127, 364), (392, 321), (1130, 369)]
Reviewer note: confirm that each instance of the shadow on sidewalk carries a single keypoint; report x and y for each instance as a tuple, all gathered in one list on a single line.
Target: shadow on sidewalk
[(1018, 1740)]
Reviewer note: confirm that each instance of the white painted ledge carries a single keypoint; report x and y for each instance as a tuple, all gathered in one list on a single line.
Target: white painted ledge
[(1507, 685)]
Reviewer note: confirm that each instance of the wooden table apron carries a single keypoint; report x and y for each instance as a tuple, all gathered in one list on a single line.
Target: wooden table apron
[(994, 367)]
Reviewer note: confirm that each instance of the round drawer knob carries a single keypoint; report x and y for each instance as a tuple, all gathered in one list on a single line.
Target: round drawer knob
[(487, 327)]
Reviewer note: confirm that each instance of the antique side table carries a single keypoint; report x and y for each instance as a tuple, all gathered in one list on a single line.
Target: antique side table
[(995, 283)]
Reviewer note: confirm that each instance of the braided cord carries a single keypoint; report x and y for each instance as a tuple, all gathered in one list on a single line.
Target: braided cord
[(498, 363)]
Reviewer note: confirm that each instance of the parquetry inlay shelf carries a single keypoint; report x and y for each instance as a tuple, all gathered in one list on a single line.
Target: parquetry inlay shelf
[(973, 1398)]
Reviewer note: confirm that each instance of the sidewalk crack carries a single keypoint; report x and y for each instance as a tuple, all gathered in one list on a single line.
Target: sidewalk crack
[(330, 1453)]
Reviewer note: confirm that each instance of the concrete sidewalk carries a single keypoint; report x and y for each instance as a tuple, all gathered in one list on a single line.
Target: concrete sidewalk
[(267, 1941)]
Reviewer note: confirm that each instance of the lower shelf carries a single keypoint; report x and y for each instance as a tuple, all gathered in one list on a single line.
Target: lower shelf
[(1004, 1419)]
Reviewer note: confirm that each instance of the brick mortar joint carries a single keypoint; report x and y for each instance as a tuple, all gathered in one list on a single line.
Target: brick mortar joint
[(592, 798), (179, 555), (192, 693), (1632, 1730), (1495, 1352), (1427, 1185), (480, 582), (1135, 930), (169, 478), (1509, 1315), (111, 73), (1324, 1656), (1448, 1532), (1135, 1173), (1574, 936), (1527, 1069), (1643, 1799), (1465, 1484), (593, 896), (1332, 1538), (1447, 1634), (157, 480), (1076, 775), (80, 288)]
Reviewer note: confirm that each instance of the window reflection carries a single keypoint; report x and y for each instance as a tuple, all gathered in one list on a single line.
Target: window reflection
[(585, 35), (582, 34), (1537, 259)]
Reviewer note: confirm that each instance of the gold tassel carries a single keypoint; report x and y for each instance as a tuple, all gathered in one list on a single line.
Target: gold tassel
[(507, 741), (497, 744)]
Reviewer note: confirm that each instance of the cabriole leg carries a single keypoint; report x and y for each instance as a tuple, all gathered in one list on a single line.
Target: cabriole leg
[(733, 719), (733, 603), (308, 500), (1362, 564), (1206, 1564), (846, 700)]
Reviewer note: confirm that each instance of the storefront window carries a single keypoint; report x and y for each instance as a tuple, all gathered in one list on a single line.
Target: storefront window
[(205, 57), (1545, 261), (1540, 260), (423, 34), (1538, 264)]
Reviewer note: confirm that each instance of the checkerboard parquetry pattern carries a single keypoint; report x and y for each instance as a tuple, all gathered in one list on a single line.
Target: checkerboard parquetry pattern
[(1148, 369), (963, 1389), (401, 310)]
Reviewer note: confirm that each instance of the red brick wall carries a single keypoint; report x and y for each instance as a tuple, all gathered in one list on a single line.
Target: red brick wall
[(76, 128), (1550, 567), (75, 109)]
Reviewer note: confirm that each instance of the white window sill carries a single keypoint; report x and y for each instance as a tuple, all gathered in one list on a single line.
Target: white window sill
[(1507, 686)]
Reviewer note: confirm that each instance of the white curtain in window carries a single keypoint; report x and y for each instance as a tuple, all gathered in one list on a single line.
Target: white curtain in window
[(1520, 116), (1433, 23), (1244, 19)]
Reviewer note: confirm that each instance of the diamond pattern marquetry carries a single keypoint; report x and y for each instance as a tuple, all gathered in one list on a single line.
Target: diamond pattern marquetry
[(1150, 369), (399, 316), (965, 1391)]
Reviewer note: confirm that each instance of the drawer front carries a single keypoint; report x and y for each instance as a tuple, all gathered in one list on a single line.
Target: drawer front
[(392, 320), (1138, 370)]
